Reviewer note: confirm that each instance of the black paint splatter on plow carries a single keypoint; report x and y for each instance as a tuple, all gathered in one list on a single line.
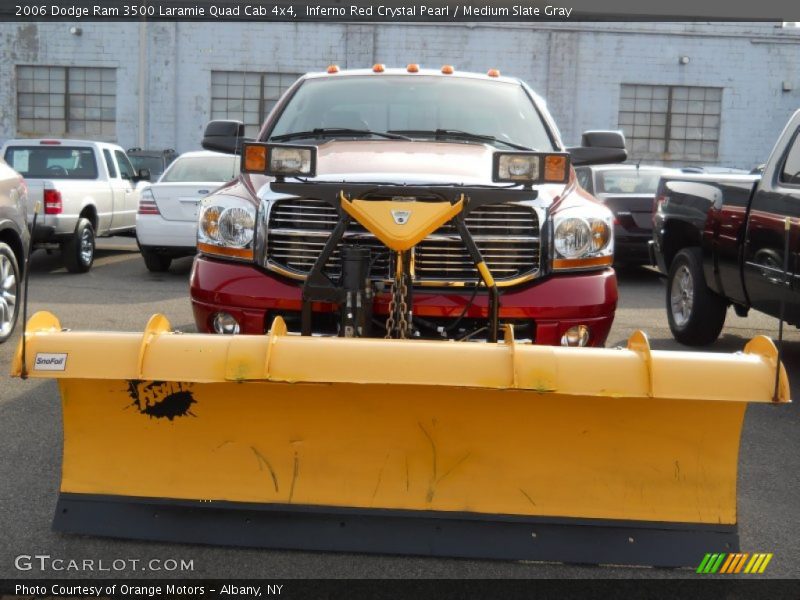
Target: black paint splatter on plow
[(162, 399)]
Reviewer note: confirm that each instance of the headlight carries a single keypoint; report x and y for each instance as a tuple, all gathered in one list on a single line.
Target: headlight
[(573, 237), (518, 167), (226, 227), (582, 238), (284, 160), (279, 160), (236, 226), (528, 168)]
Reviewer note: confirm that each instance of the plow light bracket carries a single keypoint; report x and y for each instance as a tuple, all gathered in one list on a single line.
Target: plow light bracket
[(528, 168), (279, 160)]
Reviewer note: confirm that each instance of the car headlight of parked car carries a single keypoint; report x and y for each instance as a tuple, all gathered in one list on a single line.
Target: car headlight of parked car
[(226, 227), (582, 239)]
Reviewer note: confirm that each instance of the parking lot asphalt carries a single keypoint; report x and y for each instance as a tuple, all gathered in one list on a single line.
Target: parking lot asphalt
[(120, 294)]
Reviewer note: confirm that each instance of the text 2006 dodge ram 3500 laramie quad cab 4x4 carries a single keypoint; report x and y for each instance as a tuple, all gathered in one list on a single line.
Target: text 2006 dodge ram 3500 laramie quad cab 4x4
[(721, 239), (530, 246), (85, 189)]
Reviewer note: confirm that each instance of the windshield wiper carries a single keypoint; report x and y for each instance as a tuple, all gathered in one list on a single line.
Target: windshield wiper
[(459, 135), (321, 132)]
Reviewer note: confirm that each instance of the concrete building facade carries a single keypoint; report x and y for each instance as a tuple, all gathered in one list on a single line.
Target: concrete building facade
[(700, 93)]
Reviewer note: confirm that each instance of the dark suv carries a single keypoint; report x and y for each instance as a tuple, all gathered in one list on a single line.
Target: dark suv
[(14, 241), (155, 161)]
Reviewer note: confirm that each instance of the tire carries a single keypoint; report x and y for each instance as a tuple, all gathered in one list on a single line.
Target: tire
[(10, 292), (78, 251), (695, 313), (155, 262)]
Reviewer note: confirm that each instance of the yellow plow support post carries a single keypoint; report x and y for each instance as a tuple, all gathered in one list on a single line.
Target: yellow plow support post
[(503, 450)]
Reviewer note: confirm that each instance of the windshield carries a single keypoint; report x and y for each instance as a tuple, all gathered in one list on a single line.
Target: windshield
[(415, 104), (627, 182), (203, 168), (56, 162)]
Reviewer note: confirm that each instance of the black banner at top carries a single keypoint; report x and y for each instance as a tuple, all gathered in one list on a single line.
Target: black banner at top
[(399, 11)]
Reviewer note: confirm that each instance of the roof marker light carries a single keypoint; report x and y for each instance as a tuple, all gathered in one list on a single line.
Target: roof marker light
[(378, 68), (413, 68), (333, 69), (493, 73), (448, 69)]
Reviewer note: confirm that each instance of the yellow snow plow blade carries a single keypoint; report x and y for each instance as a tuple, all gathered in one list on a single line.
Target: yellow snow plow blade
[(505, 450)]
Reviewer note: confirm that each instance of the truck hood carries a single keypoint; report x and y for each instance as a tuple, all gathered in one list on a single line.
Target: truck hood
[(405, 162)]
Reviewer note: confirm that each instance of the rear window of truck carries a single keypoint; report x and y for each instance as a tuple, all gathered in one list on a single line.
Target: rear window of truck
[(52, 162), (627, 181)]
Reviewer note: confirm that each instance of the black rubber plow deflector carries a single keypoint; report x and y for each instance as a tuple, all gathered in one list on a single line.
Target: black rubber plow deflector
[(425, 533)]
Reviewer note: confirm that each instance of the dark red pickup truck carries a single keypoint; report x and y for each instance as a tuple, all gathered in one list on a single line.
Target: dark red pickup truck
[(721, 240)]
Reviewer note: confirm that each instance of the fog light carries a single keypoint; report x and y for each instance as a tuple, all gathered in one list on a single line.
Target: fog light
[(225, 323), (576, 336)]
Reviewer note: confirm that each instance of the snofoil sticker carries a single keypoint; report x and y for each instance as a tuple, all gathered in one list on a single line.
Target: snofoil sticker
[(50, 362)]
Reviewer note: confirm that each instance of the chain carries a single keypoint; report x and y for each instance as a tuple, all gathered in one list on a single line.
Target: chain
[(390, 323), (397, 321), (402, 326)]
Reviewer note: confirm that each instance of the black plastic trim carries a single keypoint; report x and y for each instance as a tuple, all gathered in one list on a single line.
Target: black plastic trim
[(426, 533)]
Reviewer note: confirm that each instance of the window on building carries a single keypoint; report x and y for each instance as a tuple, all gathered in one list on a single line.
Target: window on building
[(247, 97), (671, 121), (66, 101)]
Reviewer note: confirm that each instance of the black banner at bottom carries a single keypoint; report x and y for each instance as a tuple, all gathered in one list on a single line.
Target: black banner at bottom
[(390, 589)]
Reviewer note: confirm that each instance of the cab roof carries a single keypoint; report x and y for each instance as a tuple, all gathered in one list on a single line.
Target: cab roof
[(403, 71)]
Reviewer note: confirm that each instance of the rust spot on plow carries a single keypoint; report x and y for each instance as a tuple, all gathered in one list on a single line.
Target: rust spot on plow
[(161, 399)]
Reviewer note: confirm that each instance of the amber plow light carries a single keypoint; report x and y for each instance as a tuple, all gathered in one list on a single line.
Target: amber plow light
[(530, 167), (254, 158), (621, 456), (556, 168), (279, 160)]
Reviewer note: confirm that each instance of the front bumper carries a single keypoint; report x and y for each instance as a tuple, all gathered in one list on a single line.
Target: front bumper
[(552, 304)]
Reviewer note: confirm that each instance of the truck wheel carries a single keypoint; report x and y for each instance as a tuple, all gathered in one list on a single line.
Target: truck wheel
[(10, 289), (78, 251), (155, 262), (695, 313)]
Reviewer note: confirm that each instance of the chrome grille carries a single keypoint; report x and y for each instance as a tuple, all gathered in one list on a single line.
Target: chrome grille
[(506, 234)]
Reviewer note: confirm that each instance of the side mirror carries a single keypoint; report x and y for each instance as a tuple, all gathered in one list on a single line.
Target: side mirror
[(224, 136), (599, 147), (143, 175)]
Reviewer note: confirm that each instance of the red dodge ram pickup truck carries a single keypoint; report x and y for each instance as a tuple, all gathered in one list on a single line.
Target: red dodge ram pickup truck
[(550, 253)]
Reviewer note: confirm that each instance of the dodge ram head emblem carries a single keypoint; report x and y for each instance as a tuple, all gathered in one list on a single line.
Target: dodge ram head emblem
[(401, 216)]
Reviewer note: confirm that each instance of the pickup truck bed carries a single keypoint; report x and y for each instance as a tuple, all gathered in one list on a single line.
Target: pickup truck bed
[(85, 189), (720, 239)]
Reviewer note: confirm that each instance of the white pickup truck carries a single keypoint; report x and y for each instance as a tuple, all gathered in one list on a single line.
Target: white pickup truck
[(86, 189)]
